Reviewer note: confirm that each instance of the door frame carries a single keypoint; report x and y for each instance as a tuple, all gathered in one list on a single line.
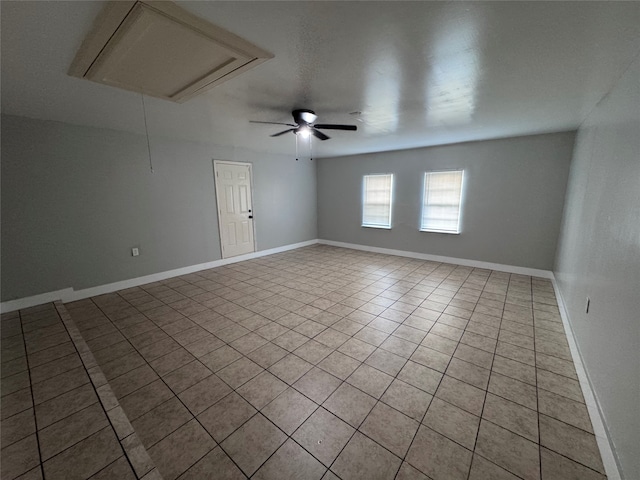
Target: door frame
[(253, 210)]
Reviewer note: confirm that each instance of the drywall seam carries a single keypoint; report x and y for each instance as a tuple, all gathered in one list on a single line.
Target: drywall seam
[(534, 272), (71, 295), (595, 413)]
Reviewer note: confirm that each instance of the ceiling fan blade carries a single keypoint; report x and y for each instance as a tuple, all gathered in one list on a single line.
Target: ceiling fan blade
[(332, 126), (282, 133), (318, 134), (273, 123)]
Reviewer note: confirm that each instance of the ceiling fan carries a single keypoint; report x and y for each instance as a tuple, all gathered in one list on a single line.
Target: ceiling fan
[(304, 125)]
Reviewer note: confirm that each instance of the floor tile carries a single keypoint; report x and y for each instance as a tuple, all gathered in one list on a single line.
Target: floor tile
[(290, 462), (220, 358), (253, 443), (159, 422), (385, 361), (17, 427), (290, 340), (408, 399), (431, 358), (180, 450), (350, 404), (146, 398), (469, 373), (260, 390), (513, 390), (204, 394), (508, 450), (323, 435), (267, 355), (313, 352), (239, 372), (364, 459), (557, 467), (571, 442), (369, 380), (64, 405), (390, 428), (461, 394), (84, 458), (564, 409), (339, 365), (248, 343), (438, 457), (290, 368), (317, 384), (441, 344), (420, 376), (171, 361), (560, 385), (407, 472), (133, 380), (512, 416), (19, 457), (184, 377), (58, 385), (289, 410), (70, 430), (215, 461), (514, 369), (225, 416), (483, 469), (452, 422)]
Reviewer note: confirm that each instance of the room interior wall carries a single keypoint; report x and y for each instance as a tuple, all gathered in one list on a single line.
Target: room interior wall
[(599, 257), (76, 199), (513, 197)]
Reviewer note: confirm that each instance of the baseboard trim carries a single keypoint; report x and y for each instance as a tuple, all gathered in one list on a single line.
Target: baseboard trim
[(71, 295), (605, 446), (534, 272)]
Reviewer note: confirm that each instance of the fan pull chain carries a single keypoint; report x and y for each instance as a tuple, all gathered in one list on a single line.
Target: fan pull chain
[(146, 129), (296, 146), (310, 149)]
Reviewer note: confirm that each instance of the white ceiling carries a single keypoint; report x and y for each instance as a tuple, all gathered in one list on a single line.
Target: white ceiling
[(420, 73)]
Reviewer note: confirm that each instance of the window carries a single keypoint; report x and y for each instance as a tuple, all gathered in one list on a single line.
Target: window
[(377, 196), (441, 201)]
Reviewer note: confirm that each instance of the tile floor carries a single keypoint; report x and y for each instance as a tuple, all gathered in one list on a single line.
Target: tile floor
[(316, 363)]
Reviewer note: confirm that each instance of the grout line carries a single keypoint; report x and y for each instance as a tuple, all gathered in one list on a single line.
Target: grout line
[(33, 402)]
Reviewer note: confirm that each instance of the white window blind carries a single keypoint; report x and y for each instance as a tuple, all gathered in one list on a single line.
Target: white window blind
[(377, 196), (442, 199)]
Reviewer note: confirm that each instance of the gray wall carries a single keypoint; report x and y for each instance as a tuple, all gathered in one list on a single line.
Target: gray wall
[(514, 192), (76, 199), (599, 257)]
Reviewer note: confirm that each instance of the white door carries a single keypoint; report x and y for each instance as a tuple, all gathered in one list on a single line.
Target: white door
[(235, 217)]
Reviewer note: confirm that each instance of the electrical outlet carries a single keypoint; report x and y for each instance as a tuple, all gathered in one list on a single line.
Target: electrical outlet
[(588, 304), (135, 251)]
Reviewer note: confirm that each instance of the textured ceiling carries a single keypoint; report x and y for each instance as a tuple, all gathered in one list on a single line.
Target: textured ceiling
[(419, 73)]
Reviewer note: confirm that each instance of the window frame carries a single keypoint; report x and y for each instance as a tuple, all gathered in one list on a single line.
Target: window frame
[(363, 198), (458, 231)]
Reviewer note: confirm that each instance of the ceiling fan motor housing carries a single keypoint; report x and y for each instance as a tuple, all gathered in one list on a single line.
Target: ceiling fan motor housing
[(304, 116)]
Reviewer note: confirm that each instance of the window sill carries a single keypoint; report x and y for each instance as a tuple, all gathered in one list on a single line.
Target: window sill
[(383, 227), (448, 232)]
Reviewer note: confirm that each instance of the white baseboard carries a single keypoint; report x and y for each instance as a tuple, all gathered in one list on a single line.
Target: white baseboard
[(71, 295), (39, 299), (534, 272), (609, 461)]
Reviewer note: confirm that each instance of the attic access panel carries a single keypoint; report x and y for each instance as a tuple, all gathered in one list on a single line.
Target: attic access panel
[(161, 50)]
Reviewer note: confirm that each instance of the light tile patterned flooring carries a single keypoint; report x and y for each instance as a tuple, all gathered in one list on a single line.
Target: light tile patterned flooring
[(316, 363)]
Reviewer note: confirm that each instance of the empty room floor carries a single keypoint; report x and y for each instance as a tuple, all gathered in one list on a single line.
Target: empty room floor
[(320, 362)]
